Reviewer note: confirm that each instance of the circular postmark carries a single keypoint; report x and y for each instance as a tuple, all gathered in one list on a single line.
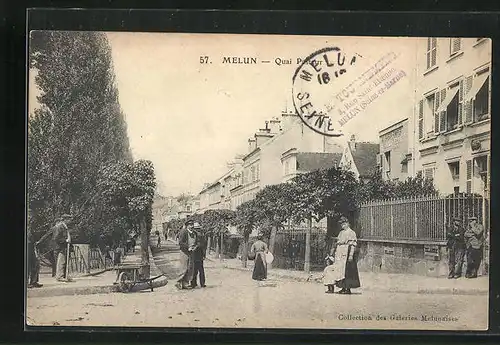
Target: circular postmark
[(318, 79)]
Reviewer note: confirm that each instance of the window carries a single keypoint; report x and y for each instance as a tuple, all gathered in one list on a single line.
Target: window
[(253, 174), (452, 114), (455, 45), (454, 170), (287, 167), (404, 167), (448, 115), (481, 168), (431, 52), (429, 173), (477, 98), (456, 190), (188, 208), (388, 163), (481, 103), (428, 115)]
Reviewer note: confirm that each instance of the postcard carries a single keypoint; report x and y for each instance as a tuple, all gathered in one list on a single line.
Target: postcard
[(258, 181)]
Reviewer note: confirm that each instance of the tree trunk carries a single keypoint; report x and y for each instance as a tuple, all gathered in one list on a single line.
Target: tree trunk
[(245, 251), (144, 249), (221, 245), (307, 256), (209, 243), (217, 247), (272, 240)]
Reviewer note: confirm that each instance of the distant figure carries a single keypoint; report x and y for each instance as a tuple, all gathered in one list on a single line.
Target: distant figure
[(187, 244), (474, 237), (345, 268), (259, 248), (158, 239), (198, 257), (456, 248), (62, 239), (33, 262), (131, 243)]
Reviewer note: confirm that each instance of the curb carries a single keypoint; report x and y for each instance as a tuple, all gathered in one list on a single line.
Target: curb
[(101, 289), (436, 291), (72, 291)]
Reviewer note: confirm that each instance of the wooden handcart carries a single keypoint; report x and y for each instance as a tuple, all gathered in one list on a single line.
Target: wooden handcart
[(128, 276)]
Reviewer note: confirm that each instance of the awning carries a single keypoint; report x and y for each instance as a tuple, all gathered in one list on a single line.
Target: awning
[(477, 83), (449, 97)]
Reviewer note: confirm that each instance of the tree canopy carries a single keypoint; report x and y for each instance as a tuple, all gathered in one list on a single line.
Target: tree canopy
[(77, 136)]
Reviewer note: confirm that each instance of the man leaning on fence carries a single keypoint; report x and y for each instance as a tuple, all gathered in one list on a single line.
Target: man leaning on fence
[(456, 248), (61, 240), (475, 240)]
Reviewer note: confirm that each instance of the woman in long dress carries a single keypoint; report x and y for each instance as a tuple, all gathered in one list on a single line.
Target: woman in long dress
[(345, 268), (259, 248)]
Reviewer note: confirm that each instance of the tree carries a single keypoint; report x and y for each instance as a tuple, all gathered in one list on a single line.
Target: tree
[(415, 186), (246, 220), (215, 224), (379, 189), (323, 193), (78, 127), (274, 208)]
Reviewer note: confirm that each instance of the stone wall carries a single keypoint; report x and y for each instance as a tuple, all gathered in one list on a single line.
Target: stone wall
[(413, 258)]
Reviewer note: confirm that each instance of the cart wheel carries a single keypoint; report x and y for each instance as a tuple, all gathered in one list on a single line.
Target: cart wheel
[(124, 282)]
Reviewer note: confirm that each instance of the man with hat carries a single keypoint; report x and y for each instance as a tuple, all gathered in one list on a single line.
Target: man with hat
[(198, 256), (188, 242), (456, 248), (474, 237), (61, 239)]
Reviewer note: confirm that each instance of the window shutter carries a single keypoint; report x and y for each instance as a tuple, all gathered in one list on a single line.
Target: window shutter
[(469, 176), (433, 51), (429, 44), (460, 101), (455, 45), (487, 83), (421, 119), (436, 114), (442, 115), (428, 55), (467, 106)]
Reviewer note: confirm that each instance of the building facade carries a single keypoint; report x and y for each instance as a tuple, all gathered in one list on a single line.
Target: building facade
[(451, 122), (395, 159)]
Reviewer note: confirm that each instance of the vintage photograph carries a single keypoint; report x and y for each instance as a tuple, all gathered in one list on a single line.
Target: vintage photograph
[(258, 181)]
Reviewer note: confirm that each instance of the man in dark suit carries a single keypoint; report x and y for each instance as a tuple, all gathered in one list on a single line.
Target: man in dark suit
[(187, 244), (198, 257)]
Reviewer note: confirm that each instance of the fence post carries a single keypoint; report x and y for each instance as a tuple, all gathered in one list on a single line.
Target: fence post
[(444, 218), (371, 220), (415, 218), (392, 221)]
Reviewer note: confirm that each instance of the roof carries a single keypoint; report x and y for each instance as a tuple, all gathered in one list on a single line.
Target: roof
[(309, 161), (365, 157)]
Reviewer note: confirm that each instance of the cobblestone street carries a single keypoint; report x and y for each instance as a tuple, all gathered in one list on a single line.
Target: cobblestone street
[(232, 299)]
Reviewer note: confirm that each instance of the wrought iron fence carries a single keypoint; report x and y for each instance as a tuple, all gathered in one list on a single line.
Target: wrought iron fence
[(290, 244), (420, 219)]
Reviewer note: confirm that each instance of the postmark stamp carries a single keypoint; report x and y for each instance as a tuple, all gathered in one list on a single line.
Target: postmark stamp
[(329, 90)]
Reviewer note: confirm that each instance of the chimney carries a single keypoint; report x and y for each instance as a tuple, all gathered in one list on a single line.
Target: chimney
[(252, 144), (275, 125), (288, 119), (352, 143)]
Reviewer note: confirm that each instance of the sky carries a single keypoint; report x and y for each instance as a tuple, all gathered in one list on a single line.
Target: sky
[(190, 118)]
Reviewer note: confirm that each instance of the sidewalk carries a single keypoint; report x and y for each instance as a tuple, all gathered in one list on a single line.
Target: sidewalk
[(92, 284), (384, 282)]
